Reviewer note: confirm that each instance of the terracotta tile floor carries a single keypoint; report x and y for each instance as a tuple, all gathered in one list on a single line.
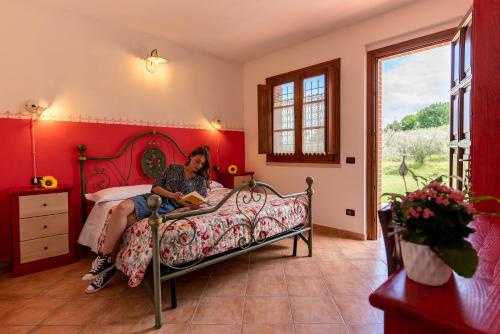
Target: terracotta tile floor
[(266, 291)]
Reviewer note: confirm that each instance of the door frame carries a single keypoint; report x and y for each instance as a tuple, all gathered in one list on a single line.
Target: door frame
[(372, 73)]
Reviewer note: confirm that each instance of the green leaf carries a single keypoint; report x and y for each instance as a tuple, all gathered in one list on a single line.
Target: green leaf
[(482, 198), (462, 260), (458, 178), (438, 179), (489, 214), (392, 194), (416, 238)]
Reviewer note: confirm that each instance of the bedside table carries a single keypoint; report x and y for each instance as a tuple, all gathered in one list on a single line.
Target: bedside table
[(234, 180), (42, 228)]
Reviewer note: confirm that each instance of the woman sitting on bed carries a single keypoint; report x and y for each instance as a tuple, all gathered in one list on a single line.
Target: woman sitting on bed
[(176, 181)]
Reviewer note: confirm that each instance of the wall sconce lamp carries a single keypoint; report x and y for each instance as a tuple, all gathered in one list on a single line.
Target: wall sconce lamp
[(153, 61), (216, 123), (36, 109)]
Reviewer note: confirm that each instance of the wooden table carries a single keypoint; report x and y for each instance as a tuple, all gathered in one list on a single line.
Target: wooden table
[(460, 306), (42, 228)]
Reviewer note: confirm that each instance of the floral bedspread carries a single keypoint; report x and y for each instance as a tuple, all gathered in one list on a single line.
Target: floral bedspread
[(197, 237)]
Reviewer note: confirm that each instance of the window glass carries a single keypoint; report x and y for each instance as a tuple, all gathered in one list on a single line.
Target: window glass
[(283, 118), (313, 115)]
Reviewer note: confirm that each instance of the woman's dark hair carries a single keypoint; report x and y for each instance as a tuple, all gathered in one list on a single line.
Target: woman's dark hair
[(205, 170)]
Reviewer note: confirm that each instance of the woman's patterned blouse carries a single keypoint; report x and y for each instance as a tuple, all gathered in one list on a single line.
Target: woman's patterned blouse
[(173, 180)]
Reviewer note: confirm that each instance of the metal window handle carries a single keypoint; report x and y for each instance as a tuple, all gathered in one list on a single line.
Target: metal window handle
[(463, 160), (45, 248)]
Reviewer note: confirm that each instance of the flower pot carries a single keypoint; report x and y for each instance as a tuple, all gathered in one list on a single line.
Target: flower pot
[(422, 265)]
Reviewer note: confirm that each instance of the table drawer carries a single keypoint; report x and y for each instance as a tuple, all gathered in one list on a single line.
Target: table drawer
[(239, 180), (45, 204), (43, 226), (42, 248)]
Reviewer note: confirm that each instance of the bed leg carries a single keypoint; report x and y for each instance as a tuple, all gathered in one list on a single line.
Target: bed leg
[(157, 277), (310, 243), (173, 294), (309, 191), (295, 238), (154, 221)]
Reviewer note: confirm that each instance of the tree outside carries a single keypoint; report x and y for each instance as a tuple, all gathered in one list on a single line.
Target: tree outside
[(423, 144), (433, 116)]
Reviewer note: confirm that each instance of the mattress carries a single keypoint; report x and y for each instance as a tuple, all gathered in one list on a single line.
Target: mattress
[(192, 239)]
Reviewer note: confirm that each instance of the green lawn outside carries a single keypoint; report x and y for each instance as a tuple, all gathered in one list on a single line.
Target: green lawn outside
[(434, 165)]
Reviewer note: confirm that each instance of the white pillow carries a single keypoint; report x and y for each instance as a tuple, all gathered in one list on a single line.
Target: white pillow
[(118, 193), (215, 185)]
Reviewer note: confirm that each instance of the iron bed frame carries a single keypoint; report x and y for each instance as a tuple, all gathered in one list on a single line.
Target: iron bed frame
[(252, 191)]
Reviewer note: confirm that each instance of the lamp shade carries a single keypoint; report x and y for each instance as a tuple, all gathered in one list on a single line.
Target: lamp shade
[(216, 123), (153, 61)]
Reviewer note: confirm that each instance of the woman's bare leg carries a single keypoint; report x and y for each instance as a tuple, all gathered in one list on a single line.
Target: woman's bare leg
[(131, 220), (119, 222)]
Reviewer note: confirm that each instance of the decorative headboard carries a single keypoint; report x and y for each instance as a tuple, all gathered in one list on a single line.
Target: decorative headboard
[(140, 161)]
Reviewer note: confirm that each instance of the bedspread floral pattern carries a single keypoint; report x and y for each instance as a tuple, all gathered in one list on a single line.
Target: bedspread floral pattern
[(197, 237)]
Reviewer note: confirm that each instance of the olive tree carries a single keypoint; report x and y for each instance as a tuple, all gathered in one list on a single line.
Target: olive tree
[(416, 144)]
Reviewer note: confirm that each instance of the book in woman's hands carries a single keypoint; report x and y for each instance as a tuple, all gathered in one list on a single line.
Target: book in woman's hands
[(193, 198)]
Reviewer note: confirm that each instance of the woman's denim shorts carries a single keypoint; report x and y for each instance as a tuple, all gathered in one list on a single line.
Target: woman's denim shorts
[(142, 209)]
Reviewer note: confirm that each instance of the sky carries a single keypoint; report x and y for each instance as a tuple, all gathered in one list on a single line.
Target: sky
[(412, 82)]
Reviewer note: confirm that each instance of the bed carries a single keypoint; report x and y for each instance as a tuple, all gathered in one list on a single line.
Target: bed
[(234, 222)]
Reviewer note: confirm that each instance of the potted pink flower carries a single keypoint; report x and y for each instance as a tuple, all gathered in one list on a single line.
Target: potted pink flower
[(433, 225)]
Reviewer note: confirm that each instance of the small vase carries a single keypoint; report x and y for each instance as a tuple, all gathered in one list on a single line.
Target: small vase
[(422, 265)]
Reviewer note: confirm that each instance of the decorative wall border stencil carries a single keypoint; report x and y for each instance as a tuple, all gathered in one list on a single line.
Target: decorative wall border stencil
[(112, 120)]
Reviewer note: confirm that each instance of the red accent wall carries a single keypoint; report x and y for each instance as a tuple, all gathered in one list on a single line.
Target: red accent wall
[(57, 155), (486, 102)]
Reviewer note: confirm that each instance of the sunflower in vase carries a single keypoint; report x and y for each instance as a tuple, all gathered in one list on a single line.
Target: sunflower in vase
[(48, 182)]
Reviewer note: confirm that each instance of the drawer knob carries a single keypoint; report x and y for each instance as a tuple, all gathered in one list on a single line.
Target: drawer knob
[(45, 226), (44, 204), (45, 248)]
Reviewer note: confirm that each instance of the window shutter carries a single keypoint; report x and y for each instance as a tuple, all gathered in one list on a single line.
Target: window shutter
[(333, 115), (265, 120)]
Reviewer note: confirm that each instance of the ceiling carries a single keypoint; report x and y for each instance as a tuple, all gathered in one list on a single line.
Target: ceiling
[(238, 30)]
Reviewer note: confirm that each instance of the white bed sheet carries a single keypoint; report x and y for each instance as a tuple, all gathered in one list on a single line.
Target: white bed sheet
[(95, 221), (93, 226)]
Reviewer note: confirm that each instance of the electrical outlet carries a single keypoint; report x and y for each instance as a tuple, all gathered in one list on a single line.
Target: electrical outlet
[(350, 212), (350, 160)]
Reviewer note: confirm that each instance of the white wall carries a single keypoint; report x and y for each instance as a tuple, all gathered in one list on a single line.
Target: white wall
[(94, 69), (343, 186)]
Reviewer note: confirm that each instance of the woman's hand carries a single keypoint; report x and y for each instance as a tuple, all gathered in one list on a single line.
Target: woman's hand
[(165, 193), (199, 206), (177, 196)]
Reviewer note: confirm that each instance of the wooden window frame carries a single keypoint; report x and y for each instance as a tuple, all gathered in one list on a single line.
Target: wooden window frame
[(371, 115), (460, 143), (331, 70)]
